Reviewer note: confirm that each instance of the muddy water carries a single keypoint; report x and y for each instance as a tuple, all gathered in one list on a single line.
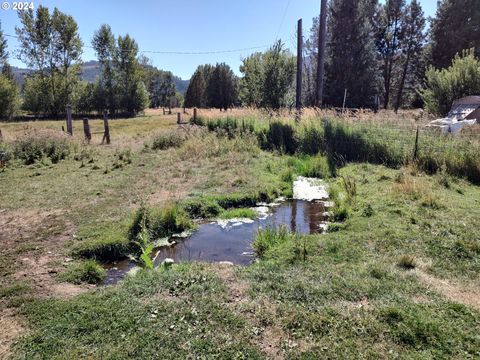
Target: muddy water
[(232, 241)]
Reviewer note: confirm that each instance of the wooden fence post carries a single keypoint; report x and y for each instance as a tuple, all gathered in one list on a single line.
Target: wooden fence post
[(86, 130), (298, 99), (106, 134), (163, 111), (179, 118), (69, 120), (415, 150), (194, 114)]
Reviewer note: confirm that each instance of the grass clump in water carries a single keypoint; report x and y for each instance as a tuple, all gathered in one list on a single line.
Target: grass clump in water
[(247, 213), (86, 271), (160, 222), (268, 238)]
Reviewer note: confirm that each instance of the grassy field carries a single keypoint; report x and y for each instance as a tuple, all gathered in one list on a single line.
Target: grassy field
[(397, 275)]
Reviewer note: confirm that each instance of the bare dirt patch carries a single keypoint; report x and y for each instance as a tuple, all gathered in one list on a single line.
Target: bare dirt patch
[(468, 296), (35, 240), (11, 328)]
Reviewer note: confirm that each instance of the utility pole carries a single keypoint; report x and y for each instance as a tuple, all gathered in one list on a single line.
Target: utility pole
[(298, 102), (322, 32)]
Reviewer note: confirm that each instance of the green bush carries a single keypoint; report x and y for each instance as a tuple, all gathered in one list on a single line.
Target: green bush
[(36, 146), (88, 271), (444, 86), (165, 140)]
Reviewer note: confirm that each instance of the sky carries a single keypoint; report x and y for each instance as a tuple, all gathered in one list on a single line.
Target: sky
[(187, 26)]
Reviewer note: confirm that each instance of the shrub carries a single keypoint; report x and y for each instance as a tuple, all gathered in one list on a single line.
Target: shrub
[(36, 145), (88, 271), (165, 140), (461, 79)]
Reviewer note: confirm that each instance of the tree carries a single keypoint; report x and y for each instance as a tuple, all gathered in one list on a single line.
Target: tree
[(9, 99), (252, 82), (50, 44), (104, 44), (268, 77), (351, 56), (196, 95), (444, 86), (131, 89), (3, 48), (412, 41), (388, 27), (222, 87), (455, 27)]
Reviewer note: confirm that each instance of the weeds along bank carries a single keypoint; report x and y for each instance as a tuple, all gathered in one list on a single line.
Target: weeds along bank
[(375, 142)]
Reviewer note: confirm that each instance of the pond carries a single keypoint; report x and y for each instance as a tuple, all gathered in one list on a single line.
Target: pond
[(231, 240)]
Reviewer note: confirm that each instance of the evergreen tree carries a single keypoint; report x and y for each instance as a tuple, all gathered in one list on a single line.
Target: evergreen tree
[(222, 87), (196, 95), (455, 27), (389, 22), (351, 61), (412, 41)]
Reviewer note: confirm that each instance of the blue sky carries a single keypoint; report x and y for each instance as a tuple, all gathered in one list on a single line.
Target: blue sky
[(187, 26)]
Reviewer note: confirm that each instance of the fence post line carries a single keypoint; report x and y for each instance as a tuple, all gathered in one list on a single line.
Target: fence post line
[(106, 134), (86, 130), (415, 150), (69, 120)]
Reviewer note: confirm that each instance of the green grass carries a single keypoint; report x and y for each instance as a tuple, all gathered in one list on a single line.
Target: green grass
[(88, 271), (238, 213), (171, 314)]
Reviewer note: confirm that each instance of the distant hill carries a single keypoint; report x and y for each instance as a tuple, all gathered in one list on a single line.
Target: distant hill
[(90, 72)]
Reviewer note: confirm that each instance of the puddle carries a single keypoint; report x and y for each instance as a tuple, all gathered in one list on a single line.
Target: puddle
[(230, 240)]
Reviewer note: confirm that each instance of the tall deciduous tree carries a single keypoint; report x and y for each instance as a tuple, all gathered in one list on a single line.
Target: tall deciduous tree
[(50, 44), (455, 27), (268, 77), (104, 44), (132, 91)]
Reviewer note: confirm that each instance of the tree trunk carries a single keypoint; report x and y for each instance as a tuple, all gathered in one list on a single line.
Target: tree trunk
[(402, 82)]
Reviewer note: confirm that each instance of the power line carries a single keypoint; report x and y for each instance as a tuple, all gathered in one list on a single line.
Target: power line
[(180, 52), (283, 19)]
